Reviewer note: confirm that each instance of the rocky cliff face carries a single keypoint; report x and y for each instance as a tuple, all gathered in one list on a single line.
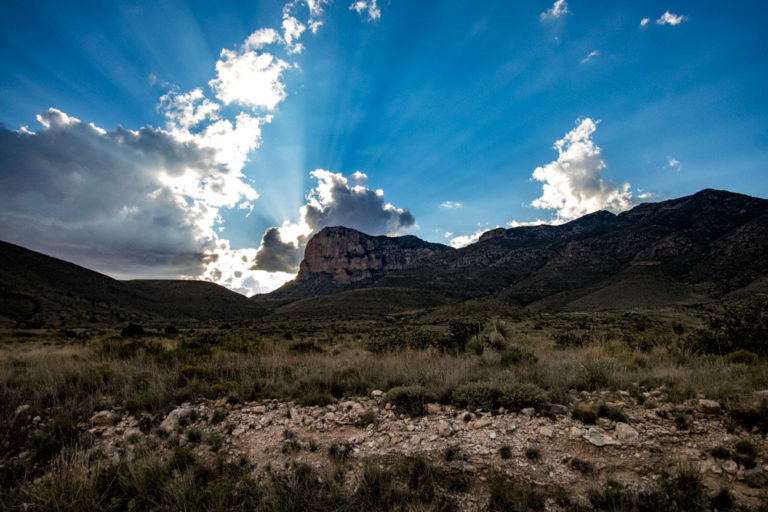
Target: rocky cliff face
[(348, 256)]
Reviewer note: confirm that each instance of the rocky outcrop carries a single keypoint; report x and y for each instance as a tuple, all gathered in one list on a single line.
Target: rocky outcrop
[(338, 257)]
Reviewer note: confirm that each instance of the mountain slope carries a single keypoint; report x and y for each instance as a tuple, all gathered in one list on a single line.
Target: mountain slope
[(38, 290)]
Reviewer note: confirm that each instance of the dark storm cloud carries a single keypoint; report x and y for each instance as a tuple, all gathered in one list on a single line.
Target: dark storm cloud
[(276, 255)]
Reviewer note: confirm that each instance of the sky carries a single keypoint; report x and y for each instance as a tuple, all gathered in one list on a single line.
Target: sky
[(210, 140)]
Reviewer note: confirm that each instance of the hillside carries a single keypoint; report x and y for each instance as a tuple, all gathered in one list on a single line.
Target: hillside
[(38, 290)]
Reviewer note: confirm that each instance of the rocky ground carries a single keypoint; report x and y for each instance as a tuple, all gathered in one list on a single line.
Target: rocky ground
[(548, 449)]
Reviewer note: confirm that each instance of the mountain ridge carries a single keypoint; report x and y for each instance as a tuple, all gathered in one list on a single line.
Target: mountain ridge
[(713, 240)]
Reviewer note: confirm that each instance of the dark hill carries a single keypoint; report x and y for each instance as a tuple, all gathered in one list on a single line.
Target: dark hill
[(38, 290), (680, 251)]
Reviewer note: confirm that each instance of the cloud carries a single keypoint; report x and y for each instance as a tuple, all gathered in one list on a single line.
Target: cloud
[(673, 163), (332, 202), (367, 8), (292, 30), (591, 56), (451, 204), (558, 10), (358, 177), (644, 22), (232, 268), (275, 255), (261, 38), (573, 184), (249, 78), (458, 242), (670, 19), (106, 198), (186, 110)]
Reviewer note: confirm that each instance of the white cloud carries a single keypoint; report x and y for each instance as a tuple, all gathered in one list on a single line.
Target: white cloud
[(591, 56), (367, 8), (186, 110), (673, 163), (573, 184), (644, 22), (249, 78), (451, 204), (292, 30), (671, 19), (358, 177), (558, 10), (458, 242), (261, 38), (332, 202), (448, 234)]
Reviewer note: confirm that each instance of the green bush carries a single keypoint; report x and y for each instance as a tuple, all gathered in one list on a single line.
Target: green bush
[(190, 371), (518, 396), (515, 355), (412, 400), (740, 327), (584, 414), (741, 357), (476, 395)]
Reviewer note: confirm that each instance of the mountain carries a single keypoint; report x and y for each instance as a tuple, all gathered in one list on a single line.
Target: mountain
[(682, 251), (38, 290), (337, 258)]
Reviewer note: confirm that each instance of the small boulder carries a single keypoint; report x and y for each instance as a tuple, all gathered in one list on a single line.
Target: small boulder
[(175, 419), (103, 419), (444, 428), (598, 437), (624, 432), (709, 406)]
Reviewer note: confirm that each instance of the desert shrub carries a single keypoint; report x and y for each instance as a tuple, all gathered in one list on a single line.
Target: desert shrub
[(740, 327), (518, 396), (302, 489), (420, 339), (347, 382), (190, 371), (505, 452), (612, 413), (741, 357), (412, 400), (612, 497), (316, 398), (105, 371), (571, 339), (462, 331), (476, 395), (367, 418), (223, 387), (305, 347), (720, 452), (723, 500), (510, 496), (452, 453), (532, 453), (582, 466), (585, 414), (515, 355), (752, 416), (182, 458), (598, 373), (132, 331), (340, 451), (745, 447), (476, 345)]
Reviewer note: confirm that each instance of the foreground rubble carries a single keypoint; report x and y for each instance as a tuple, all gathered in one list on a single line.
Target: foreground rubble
[(548, 449)]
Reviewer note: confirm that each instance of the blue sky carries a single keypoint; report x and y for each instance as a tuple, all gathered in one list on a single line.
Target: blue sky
[(450, 112)]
